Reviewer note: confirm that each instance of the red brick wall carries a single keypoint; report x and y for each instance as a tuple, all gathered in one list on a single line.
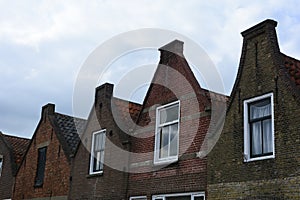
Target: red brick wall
[(188, 174), (57, 169)]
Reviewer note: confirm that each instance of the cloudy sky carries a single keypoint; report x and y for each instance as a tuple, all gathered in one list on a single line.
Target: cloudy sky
[(43, 44)]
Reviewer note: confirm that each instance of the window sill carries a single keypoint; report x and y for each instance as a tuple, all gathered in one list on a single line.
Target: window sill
[(259, 158), (94, 175)]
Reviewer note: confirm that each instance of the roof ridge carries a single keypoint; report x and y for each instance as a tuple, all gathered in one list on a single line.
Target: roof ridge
[(283, 54), (13, 136), (69, 116), (117, 98)]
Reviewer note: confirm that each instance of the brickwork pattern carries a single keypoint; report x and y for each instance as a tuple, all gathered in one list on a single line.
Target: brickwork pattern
[(260, 73)]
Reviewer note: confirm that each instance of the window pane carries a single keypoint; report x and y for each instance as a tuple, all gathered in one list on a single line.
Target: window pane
[(260, 109), (98, 152), (174, 140), (96, 142), (169, 114), (199, 198), (256, 142), (267, 130), (164, 141)]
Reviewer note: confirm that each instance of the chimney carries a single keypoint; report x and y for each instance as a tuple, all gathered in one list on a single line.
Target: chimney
[(47, 110), (103, 94), (264, 26)]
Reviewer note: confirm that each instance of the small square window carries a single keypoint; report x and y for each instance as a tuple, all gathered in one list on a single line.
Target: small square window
[(97, 152), (167, 133), (259, 128)]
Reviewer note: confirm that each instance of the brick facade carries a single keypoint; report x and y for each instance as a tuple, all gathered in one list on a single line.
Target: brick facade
[(112, 183), (173, 81), (262, 71), (50, 134)]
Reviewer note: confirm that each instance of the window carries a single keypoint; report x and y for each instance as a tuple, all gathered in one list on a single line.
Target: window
[(39, 179), (259, 128), (97, 152), (1, 163), (138, 198), (167, 131), (181, 196)]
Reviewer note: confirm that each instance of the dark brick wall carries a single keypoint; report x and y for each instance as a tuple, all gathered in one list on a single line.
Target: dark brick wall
[(57, 168), (229, 176), (112, 184), (6, 177), (172, 81)]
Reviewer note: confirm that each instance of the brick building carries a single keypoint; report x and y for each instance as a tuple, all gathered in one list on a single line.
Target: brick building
[(163, 137), (12, 150), (102, 142), (257, 155), (45, 169), (171, 129)]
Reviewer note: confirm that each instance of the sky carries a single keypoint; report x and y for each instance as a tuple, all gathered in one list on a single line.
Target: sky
[(44, 44)]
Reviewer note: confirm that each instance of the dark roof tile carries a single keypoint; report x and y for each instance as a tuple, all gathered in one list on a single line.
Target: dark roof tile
[(70, 128)]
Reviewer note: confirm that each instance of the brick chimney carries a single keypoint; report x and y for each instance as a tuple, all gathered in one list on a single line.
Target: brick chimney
[(47, 110)]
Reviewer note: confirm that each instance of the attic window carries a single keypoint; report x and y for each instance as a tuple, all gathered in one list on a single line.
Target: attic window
[(167, 133), (39, 179), (259, 128), (97, 152)]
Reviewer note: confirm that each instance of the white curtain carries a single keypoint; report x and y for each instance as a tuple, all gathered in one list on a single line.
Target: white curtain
[(259, 128)]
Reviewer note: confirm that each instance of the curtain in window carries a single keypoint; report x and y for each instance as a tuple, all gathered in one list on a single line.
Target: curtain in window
[(261, 127), (258, 111), (256, 138), (267, 136)]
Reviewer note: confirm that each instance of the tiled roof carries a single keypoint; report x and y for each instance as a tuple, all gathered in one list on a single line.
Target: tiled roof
[(293, 68), (18, 145), (123, 109), (70, 129)]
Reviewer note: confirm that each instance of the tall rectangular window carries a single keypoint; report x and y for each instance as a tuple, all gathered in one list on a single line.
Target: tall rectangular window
[(97, 152), (39, 179), (167, 133), (1, 164), (259, 128)]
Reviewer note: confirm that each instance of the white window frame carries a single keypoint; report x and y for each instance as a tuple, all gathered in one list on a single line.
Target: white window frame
[(192, 194), (92, 172), (138, 198), (169, 159), (247, 153), (1, 165)]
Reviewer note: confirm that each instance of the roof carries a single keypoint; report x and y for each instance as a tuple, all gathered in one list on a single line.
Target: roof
[(18, 145), (126, 107), (17, 148), (68, 130), (123, 110), (292, 66)]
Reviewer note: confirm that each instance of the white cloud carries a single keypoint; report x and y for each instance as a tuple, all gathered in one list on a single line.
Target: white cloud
[(44, 43)]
